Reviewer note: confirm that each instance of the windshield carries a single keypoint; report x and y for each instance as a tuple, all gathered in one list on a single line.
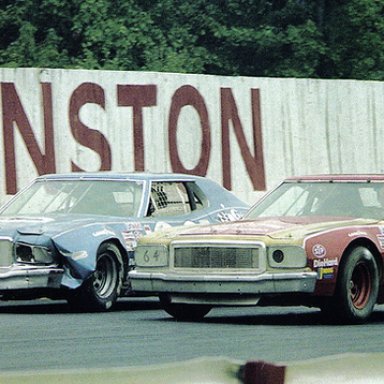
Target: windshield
[(352, 199), (94, 197)]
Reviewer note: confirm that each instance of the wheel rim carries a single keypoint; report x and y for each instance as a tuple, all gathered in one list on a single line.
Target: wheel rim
[(360, 286), (105, 276)]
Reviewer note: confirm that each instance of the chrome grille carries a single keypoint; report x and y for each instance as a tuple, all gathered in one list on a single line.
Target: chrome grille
[(6, 258), (216, 257)]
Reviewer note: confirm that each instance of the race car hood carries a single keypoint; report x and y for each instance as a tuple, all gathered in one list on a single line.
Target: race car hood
[(276, 227), (47, 225)]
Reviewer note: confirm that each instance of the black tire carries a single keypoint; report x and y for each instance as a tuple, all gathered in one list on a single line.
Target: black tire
[(184, 312), (101, 290), (356, 289)]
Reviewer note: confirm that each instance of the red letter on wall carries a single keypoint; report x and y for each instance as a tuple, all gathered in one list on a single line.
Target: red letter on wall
[(13, 113), (188, 95), (254, 164), (90, 138), (138, 97)]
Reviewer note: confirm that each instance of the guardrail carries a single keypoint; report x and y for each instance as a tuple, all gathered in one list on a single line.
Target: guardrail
[(338, 369)]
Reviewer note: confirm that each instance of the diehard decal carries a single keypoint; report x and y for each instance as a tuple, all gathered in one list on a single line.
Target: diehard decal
[(325, 263)]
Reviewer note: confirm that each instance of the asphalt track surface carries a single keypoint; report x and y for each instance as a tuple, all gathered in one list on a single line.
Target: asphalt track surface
[(42, 334)]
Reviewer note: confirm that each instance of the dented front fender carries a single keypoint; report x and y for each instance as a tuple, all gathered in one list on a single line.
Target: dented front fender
[(79, 250)]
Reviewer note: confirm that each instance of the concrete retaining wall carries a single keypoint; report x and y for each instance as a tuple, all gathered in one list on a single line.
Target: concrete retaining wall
[(246, 133)]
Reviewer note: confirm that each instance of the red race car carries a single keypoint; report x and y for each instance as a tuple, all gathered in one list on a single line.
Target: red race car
[(314, 240)]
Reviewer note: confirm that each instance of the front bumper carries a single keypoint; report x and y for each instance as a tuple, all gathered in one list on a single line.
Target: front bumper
[(17, 277), (223, 284)]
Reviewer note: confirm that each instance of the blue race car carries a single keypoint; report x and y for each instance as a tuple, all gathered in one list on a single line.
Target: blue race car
[(73, 235)]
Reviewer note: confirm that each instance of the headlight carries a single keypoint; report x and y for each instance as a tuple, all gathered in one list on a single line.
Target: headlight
[(151, 256), (278, 256), (26, 253), (287, 257)]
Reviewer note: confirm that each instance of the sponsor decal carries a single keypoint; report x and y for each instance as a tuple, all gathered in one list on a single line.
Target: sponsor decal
[(319, 251), (134, 226), (357, 233), (231, 215), (325, 273), (325, 263), (133, 232)]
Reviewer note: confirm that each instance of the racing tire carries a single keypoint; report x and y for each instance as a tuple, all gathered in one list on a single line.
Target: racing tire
[(101, 290), (356, 289), (184, 312)]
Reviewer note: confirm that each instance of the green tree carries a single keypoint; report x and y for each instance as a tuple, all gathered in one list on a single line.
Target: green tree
[(354, 35), (265, 38), (295, 38)]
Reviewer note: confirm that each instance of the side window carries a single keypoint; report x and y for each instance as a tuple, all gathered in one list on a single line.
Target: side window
[(169, 199)]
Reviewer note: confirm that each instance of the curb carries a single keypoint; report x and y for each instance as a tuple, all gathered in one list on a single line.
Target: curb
[(361, 368), (207, 370)]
